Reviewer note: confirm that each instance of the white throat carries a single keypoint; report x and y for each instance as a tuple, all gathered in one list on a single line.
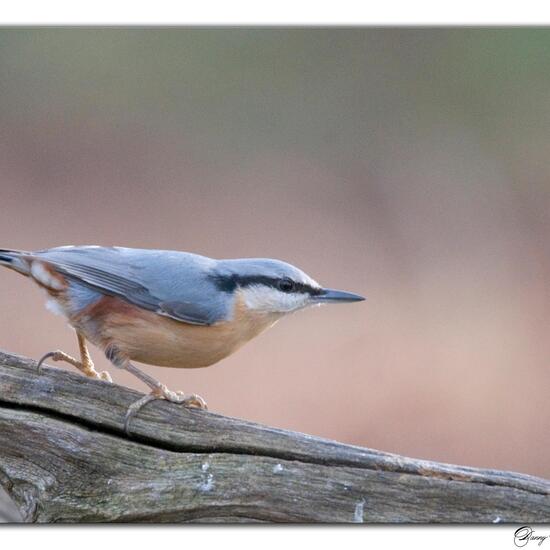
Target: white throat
[(270, 300)]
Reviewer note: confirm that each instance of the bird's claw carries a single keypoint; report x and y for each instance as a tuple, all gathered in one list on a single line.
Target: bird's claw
[(53, 355), (87, 368), (105, 376), (162, 392), (196, 401), (179, 397)]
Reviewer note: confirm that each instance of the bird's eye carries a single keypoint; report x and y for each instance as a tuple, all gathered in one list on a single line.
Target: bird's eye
[(286, 285)]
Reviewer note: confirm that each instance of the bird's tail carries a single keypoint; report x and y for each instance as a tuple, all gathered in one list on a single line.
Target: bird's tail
[(13, 259)]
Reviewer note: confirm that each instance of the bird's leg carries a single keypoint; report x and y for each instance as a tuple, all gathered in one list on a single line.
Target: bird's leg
[(158, 390), (85, 365)]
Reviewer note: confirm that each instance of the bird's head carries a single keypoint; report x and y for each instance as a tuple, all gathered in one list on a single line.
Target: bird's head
[(275, 287)]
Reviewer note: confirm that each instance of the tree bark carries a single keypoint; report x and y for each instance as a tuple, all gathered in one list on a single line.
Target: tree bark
[(64, 457)]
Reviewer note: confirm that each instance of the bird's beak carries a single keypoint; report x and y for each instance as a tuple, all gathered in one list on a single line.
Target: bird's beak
[(329, 295)]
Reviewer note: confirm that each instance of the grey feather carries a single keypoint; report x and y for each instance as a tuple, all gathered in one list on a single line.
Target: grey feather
[(170, 283), (14, 259)]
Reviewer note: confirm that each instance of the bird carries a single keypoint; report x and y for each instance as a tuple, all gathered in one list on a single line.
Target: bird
[(164, 307)]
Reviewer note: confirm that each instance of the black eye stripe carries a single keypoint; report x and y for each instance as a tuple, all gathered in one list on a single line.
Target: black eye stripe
[(286, 285), (228, 283)]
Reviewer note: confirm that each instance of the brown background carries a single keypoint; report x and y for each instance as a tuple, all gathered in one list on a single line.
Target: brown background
[(411, 166)]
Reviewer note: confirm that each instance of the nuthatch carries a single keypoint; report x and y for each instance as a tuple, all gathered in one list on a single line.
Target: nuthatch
[(166, 308)]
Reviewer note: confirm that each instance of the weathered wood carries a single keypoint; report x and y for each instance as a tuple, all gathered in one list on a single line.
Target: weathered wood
[(8, 511), (64, 457)]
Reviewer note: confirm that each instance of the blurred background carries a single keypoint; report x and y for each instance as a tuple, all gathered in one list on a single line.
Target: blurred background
[(411, 166)]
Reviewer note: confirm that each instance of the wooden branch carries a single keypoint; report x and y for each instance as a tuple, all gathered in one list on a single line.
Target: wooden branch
[(64, 457)]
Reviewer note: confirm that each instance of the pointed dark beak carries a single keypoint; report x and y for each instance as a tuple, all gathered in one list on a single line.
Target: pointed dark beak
[(329, 295)]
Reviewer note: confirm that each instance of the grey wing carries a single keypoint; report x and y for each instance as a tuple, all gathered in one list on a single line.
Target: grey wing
[(173, 284)]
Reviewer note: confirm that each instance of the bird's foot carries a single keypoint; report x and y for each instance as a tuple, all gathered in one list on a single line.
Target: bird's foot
[(193, 400), (103, 375), (162, 392), (86, 369)]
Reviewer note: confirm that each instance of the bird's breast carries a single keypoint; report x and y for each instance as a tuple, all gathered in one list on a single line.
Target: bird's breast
[(147, 337)]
